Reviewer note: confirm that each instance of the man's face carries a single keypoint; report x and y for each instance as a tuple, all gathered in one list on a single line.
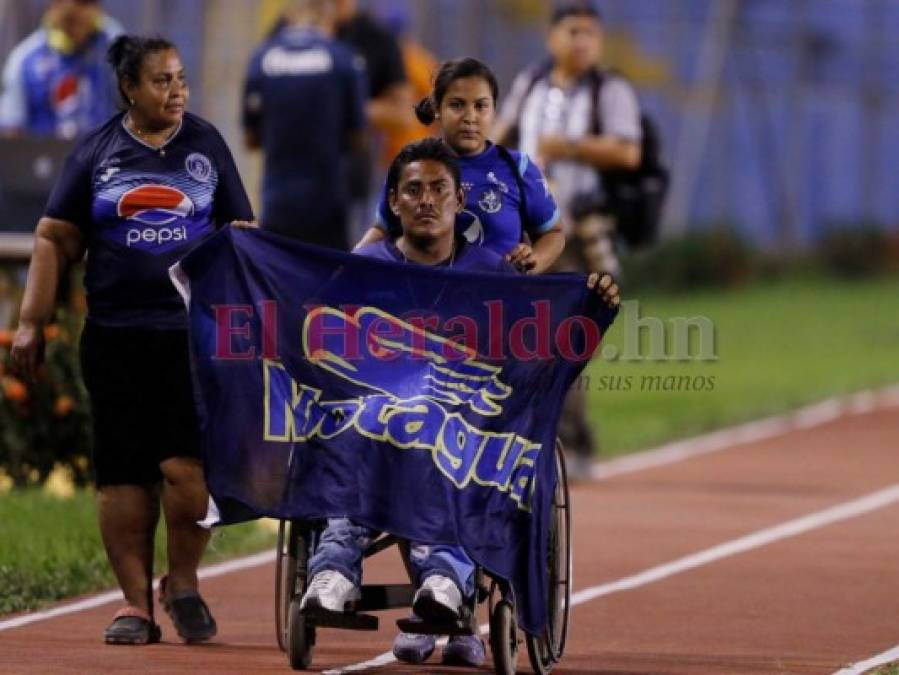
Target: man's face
[(345, 9), (575, 43), (426, 201), (76, 18)]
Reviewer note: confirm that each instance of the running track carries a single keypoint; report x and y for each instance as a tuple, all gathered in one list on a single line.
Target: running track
[(772, 549)]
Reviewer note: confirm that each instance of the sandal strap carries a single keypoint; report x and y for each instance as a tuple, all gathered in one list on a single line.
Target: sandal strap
[(131, 610)]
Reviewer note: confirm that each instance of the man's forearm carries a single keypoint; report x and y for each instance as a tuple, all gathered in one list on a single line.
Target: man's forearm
[(605, 152)]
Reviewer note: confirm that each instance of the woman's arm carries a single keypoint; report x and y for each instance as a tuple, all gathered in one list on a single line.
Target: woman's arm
[(372, 236), (538, 257), (547, 249), (57, 244)]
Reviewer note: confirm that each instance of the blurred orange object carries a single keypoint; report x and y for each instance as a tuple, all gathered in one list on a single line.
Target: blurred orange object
[(6, 338), (420, 67), (64, 405), (14, 389)]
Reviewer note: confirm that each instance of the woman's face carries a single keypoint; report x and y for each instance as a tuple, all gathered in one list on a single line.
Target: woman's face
[(466, 113), (161, 93)]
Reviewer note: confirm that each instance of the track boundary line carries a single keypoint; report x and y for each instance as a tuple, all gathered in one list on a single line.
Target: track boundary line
[(866, 665), (808, 417), (91, 602), (791, 528)]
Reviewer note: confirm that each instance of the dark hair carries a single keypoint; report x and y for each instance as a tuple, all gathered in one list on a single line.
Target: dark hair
[(126, 55), (568, 8), (449, 72), (429, 148)]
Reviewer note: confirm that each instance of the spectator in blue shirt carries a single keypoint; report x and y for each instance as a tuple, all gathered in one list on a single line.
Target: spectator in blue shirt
[(56, 82), (506, 195), (304, 107)]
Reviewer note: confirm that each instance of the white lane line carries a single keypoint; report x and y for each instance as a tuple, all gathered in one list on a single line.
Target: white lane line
[(866, 665), (210, 572), (856, 507), (771, 427)]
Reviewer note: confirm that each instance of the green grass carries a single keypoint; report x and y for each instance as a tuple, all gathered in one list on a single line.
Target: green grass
[(889, 669), (779, 346), (50, 548)]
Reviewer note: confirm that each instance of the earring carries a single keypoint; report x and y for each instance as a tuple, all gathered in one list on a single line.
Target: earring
[(131, 101)]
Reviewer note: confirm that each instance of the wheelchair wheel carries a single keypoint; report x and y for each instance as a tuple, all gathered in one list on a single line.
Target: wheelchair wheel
[(300, 637), (544, 651), (285, 578), (504, 638)]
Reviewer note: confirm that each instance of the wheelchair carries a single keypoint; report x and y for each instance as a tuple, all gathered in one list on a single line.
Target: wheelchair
[(296, 632)]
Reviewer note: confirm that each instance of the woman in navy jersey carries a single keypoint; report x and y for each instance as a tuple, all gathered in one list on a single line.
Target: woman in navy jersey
[(137, 194), (505, 193)]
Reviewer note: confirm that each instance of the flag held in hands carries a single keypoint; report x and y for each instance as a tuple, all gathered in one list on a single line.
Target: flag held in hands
[(417, 400)]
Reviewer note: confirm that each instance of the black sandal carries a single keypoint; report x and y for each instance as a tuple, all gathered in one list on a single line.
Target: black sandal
[(132, 626), (189, 614)]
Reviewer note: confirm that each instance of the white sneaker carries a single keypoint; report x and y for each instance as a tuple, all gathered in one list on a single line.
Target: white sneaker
[(438, 599), (330, 590)]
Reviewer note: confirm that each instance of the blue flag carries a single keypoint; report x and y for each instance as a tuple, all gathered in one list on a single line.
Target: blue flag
[(417, 400)]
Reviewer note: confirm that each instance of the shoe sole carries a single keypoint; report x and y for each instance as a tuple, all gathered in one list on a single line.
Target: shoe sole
[(428, 609), (314, 605), (413, 658), (153, 638)]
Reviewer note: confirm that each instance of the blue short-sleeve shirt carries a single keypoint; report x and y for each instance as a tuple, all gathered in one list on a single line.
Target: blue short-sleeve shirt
[(493, 182), (140, 210)]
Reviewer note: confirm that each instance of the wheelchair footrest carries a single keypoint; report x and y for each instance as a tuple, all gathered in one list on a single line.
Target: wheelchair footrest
[(344, 620), (463, 626), (385, 596)]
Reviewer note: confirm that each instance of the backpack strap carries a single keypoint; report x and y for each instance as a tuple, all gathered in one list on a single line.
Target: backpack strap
[(597, 78), (536, 73)]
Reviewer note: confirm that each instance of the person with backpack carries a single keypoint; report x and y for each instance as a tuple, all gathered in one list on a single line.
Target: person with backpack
[(582, 126), (506, 195)]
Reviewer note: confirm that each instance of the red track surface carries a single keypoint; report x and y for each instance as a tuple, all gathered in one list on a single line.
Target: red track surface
[(807, 604)]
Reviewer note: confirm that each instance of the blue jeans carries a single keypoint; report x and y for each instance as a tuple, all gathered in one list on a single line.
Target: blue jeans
[(343, 541)]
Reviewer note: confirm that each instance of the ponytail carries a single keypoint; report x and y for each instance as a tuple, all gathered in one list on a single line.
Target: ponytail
[(425, 111)]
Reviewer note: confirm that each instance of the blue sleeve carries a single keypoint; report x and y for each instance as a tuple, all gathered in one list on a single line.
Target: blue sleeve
[(72, 196), (542, 212), (251, 112), (230, 201)]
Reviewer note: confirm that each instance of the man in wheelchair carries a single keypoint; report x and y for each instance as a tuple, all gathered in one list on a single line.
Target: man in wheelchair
[(424, 188)]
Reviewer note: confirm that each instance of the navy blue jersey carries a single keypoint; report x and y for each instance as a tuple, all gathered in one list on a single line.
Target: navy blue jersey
[(493, 215), (466, 258), (142, 209), (304, 99)]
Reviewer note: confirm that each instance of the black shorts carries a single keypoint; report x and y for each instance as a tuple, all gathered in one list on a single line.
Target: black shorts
[(142, 400)]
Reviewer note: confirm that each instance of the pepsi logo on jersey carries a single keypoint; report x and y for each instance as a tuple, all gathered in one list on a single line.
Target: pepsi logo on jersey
[(156, 206)]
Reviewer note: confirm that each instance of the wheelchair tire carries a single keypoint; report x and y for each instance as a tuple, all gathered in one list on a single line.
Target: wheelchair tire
[(285, 578), (300, 637), (504, 638), (544, 651)]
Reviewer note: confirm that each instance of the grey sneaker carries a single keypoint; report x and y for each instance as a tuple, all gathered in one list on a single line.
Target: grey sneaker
[(331, 591), (413, 648), (438, 599), (464, 650)]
